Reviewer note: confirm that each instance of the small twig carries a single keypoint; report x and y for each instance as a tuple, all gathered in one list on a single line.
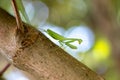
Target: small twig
[(5, 68), (17, 16)]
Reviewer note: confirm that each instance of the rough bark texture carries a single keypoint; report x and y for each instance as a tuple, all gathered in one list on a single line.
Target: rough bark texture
[(37, 55)]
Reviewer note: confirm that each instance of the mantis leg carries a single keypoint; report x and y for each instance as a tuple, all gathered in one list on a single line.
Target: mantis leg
[(70, 45), (61, 43)]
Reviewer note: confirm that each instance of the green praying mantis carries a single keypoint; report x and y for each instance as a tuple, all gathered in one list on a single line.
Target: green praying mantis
[(63, 40)]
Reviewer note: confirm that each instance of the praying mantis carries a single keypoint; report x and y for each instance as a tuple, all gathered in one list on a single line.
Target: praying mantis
[(61, 39)]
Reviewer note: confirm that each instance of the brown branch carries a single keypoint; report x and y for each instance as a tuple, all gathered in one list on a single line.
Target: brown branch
[(17, 16), (43, 59), (4, 69)]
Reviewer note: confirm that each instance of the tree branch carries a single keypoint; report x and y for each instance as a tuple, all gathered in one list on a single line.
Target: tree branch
[(17, 16), (41, 58)]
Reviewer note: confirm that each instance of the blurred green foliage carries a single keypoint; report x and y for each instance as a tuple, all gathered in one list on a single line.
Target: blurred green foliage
[(5, 4), (116, 5), (66, 13)]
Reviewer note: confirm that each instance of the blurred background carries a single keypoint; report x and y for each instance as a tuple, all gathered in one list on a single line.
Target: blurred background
[(96, 22)]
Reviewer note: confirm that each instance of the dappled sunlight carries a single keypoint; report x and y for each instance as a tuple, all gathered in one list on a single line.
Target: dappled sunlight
[(101, 49), (100, 53)]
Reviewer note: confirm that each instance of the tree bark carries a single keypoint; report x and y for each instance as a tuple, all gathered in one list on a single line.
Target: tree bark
[(37, 55)]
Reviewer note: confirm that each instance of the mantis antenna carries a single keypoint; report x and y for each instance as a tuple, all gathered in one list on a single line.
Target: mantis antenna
[(17, 16)]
